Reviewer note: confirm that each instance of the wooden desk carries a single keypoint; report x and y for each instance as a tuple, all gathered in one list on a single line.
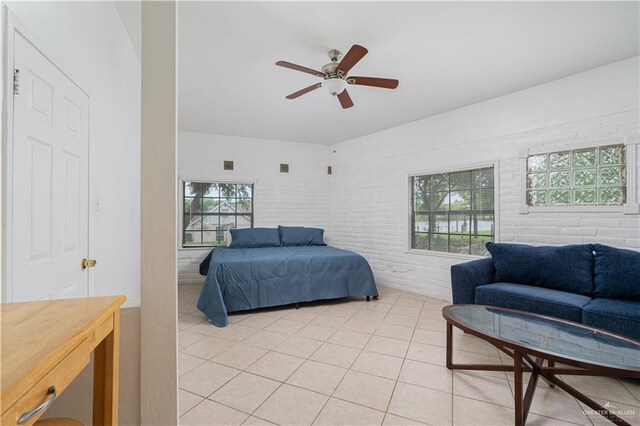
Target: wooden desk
[(46, 344)]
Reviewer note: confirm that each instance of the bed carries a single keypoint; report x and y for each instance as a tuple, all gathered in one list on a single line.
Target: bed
[(240, 279)]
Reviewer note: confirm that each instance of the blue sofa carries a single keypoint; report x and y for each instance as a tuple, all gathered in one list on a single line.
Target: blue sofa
[(593, 284)]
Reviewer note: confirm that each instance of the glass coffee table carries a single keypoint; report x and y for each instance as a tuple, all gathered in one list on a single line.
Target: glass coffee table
[(534, 340)]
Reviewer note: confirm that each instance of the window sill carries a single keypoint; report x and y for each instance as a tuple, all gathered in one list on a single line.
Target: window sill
[(443, 254), (632, 209)]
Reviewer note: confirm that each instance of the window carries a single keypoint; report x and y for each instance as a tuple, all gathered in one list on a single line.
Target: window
[(211, 209), (453, 212), (594, 176)]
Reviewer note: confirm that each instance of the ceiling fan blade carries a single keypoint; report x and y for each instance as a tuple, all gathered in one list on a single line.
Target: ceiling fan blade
[(295, 67), (304, 91), (345, 99), (385, 83), (352, 57)]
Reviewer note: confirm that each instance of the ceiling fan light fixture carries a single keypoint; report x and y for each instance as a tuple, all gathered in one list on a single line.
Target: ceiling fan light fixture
[(335, 86)]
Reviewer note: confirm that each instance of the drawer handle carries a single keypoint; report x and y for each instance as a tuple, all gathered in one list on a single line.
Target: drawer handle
[(51, 395)]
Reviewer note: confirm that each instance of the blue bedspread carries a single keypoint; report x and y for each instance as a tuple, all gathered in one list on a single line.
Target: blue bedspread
[(241, 279)]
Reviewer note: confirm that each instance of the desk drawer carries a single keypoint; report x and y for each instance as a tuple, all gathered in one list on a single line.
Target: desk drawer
[(60, 376)]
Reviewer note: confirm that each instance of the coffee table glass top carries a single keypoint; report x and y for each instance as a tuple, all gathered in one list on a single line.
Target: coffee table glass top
[(548, 335)]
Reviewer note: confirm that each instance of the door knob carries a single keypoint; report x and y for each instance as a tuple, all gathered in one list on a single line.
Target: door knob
[(88, 263)]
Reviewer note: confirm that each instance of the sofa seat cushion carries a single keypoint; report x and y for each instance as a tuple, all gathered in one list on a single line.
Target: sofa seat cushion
[(538, 300), (565, 268), (617, 273), (618, 316)]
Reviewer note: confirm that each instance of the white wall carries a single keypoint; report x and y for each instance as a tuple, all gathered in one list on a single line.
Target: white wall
[(299, 197), (369, 192), (88, 41)]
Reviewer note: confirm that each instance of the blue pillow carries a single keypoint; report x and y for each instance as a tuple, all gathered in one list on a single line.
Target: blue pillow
[(617, 273), (301, 236), (254, 238), (565, 268)]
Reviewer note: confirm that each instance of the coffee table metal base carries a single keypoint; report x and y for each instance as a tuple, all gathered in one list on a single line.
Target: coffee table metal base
[(524, 363)]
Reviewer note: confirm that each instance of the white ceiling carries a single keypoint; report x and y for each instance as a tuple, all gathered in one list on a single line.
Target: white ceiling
[(446, 55)]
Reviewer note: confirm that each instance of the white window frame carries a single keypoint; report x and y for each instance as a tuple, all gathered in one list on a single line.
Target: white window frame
[(456, 168), (183, 179), (631, 206)]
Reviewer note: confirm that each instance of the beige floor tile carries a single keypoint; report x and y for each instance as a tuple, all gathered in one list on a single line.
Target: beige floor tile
[(387, 345), (433, 325), (393, 420), (431, 314), (427, 353), (409, 302), (275, 365), (340, 356), (411, 401), (401, 320), (256, 421), (353, 339), (265, 339), (602, 387), (302, 315), (205, 413), (186, 401), (188, 362), (315, 332), (337, 412), (378, 364), (405, 310), (317, 376), (557, 404), (207, 378), (208, 347), (632, 386), (374, 306), (187, 308), (426, 375), (298, 346), (235, 332), (258, 321), (187, 338), (239, 356), (361, 326), (365, 389), (430, 337), (472, 412), (238, 317), (469, 343), (342, 310), (329, 321), (285, 326), (369, 316), (394, 331), (484, 388), (186, 321), (290, 405), (245, 392), (629, 413)]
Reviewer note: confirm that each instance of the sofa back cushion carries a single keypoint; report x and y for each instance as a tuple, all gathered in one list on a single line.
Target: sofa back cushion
[(254, 238), (617, 273), (301, 236), (566, 268)]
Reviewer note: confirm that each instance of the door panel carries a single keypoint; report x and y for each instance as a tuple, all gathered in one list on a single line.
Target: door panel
[(49, 197)]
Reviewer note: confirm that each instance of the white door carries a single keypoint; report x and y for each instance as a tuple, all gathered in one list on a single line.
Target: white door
[(49, 190)]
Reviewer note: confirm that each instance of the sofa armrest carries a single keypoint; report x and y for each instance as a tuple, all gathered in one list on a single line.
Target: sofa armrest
[(465, 277)]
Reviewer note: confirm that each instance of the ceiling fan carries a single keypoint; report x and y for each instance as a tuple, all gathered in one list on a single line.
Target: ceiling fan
[(336, 78)]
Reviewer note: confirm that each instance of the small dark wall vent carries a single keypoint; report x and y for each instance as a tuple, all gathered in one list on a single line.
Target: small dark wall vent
[(284, 168), (228, 165), (329, 170)]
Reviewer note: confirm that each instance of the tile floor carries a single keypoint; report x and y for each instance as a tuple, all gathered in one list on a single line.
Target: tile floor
[(352, 362)]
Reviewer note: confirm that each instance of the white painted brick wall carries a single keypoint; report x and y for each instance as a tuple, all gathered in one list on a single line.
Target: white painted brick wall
[(299, 197), (369, 193)]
